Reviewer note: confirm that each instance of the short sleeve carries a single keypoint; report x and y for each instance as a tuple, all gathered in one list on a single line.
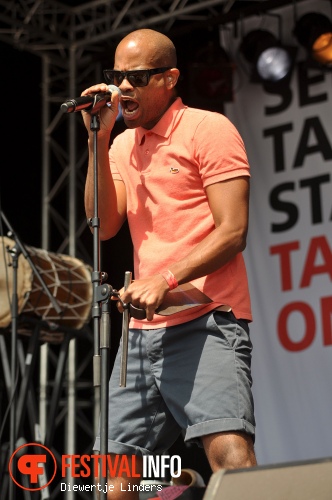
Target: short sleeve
[(219, 150), (114, 170)]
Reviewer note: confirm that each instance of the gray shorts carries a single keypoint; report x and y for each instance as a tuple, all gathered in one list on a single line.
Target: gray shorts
[(193, 377)]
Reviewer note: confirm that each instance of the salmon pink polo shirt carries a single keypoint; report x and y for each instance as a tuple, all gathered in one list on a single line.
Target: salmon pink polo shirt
[(165, 171)]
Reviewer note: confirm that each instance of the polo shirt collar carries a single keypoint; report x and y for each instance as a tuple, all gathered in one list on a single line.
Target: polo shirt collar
[(166, 123)]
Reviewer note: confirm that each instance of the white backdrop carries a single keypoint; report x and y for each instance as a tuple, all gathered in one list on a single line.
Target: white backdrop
[(289, 253)]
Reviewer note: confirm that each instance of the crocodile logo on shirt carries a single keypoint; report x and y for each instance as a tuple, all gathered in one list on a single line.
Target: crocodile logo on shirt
[(174, 170)]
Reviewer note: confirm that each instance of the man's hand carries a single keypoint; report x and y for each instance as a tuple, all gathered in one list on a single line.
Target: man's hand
[(147, 294), (107, 114)]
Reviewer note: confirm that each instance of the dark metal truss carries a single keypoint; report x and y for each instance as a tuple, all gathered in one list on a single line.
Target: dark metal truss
[(52, 27)]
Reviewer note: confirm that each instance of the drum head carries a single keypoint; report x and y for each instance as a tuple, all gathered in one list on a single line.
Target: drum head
[(24, 280), (67, 279)]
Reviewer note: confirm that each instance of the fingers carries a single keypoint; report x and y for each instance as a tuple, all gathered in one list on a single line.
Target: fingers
[(145, 294), (135, 296), (120, 307), (150, 310), (139, 310), (107, 113), (100, 87)]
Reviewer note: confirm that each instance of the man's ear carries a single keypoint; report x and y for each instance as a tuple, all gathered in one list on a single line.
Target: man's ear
[(172, 77)]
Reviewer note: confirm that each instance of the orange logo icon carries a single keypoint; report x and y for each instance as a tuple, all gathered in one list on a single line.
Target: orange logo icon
[(31, 461)]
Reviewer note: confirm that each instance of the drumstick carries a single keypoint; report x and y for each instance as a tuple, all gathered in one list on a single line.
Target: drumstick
[(125, 330)]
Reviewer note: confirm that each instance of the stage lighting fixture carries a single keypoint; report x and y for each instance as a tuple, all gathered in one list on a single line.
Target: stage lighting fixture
[(314, 32), (271, 61)]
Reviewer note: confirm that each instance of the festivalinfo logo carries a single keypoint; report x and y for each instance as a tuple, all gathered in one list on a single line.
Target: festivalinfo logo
[(33, 467)]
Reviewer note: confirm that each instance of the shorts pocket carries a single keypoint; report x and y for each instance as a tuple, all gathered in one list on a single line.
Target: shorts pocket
[(225, 323)]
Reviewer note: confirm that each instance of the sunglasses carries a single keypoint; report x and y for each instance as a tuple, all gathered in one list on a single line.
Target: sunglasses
[(136, 78)]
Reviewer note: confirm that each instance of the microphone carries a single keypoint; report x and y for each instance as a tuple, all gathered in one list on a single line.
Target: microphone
[(88, 101)]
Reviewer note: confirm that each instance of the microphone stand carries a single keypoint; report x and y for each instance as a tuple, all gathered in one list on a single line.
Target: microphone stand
[(101, 294), (15, 252)]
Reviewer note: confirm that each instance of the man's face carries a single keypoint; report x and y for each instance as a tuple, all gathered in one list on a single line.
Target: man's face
[(141, 106)]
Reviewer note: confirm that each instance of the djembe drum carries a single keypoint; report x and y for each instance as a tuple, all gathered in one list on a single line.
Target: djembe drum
[(67, 278)]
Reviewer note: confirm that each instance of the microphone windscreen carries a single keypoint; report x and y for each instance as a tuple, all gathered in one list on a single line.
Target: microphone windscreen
[(113, 88)]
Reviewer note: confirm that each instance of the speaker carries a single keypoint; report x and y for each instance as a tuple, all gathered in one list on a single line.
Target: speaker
[(306, 480)]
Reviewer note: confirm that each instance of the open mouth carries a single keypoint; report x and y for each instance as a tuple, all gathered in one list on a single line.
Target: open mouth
[(129, 107)]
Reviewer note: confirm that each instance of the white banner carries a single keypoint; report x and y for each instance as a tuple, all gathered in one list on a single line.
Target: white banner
[(289, 255)]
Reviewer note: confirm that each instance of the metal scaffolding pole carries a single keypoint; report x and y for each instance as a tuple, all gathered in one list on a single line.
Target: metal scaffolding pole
[(43, 364), (70, 444)]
